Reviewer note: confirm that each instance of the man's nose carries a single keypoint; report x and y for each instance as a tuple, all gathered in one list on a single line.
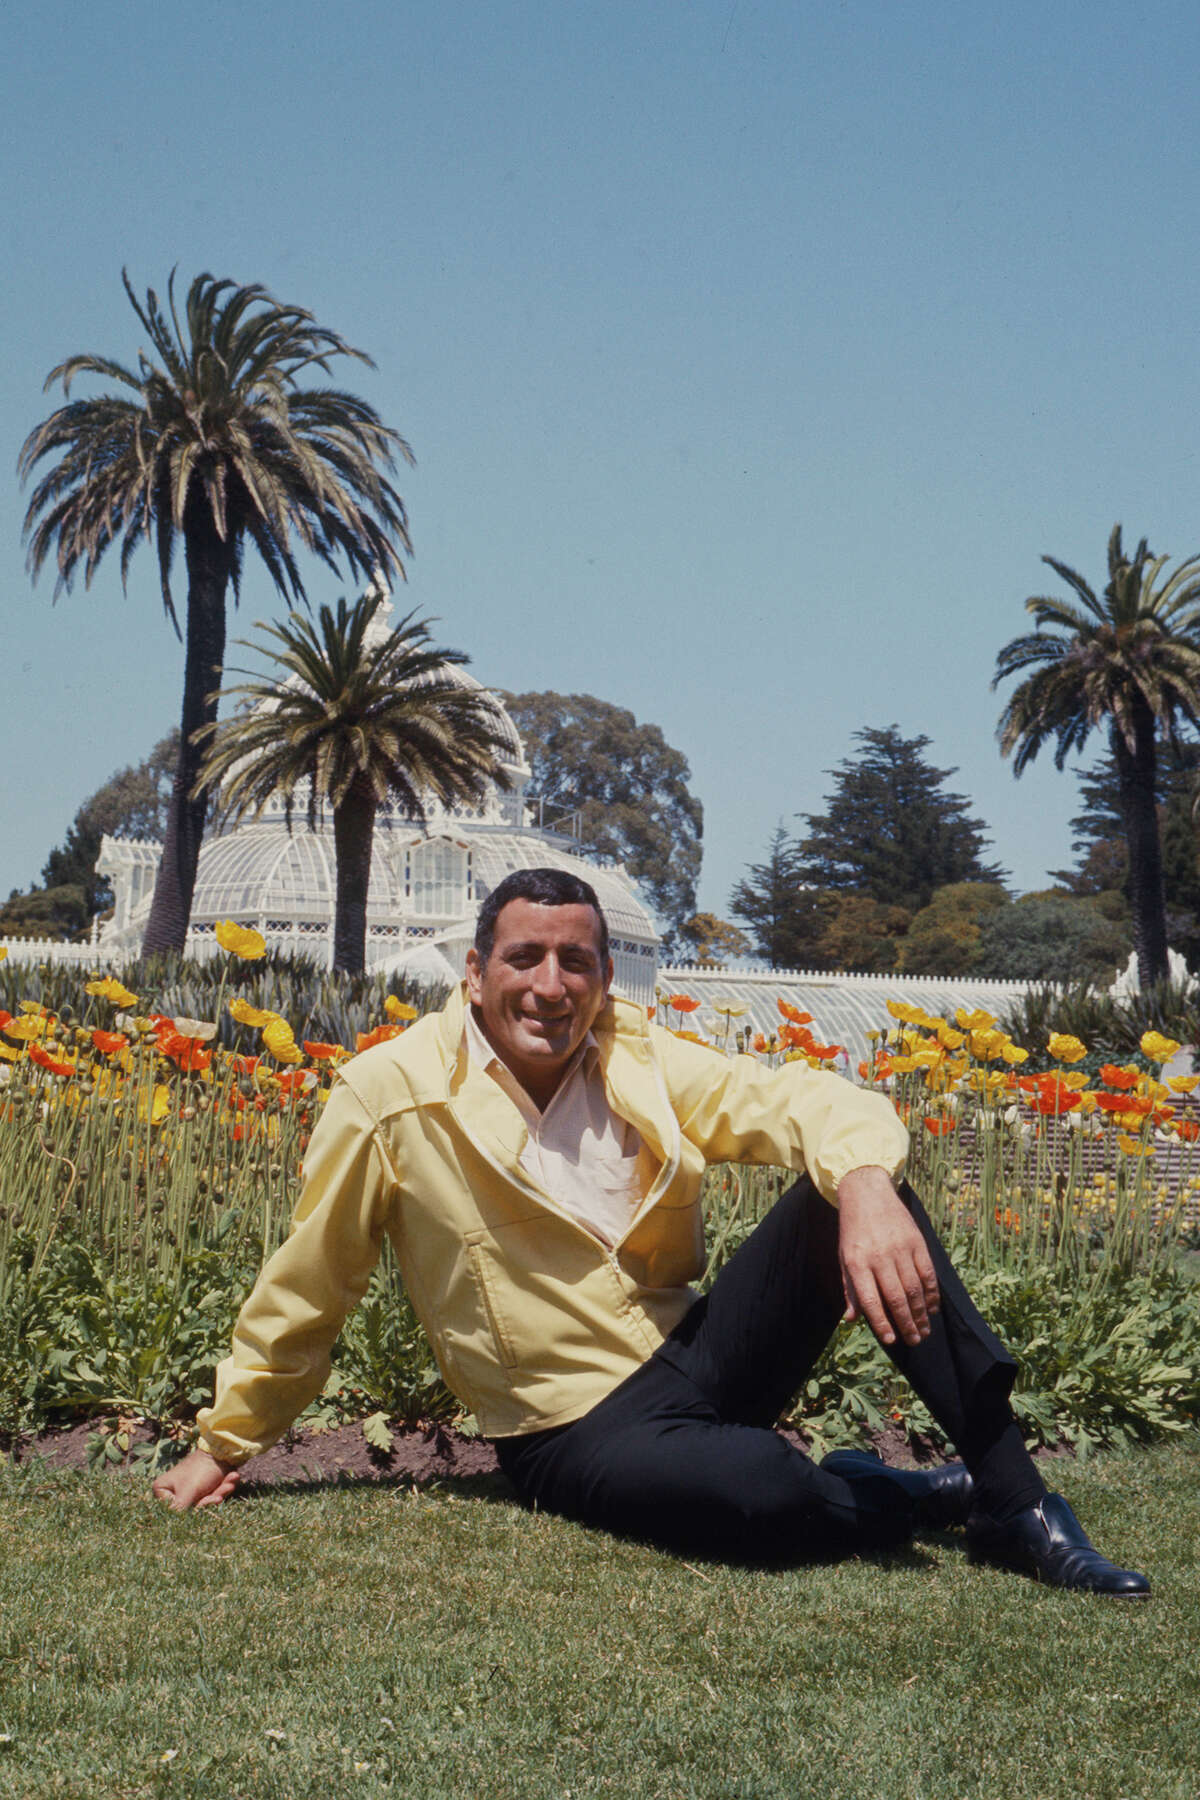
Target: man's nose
[(547, 978)]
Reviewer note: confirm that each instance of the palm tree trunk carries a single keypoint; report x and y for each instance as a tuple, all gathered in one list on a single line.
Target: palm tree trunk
[(1136, 773), (353, 830), (210, 563)]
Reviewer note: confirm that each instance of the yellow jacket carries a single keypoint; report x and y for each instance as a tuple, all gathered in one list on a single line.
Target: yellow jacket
[(532, 1319)]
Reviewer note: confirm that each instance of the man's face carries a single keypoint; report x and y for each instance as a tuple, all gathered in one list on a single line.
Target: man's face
[(542, 989)]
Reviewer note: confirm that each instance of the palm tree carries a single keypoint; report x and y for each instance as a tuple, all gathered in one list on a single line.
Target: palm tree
[(215, 443), (1130, 660), (356, 714)]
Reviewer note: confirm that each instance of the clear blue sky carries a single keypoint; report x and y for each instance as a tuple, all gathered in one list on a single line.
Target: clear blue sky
[(752, 351)]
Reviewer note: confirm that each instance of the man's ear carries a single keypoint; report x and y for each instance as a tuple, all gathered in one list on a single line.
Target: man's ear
[(474, 977), (608, 977)]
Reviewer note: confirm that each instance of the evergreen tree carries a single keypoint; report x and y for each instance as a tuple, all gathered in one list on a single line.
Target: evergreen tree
[(891, 832), (782, 913)]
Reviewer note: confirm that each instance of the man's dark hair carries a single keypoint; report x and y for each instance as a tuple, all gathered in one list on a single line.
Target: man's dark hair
[(545, 887)]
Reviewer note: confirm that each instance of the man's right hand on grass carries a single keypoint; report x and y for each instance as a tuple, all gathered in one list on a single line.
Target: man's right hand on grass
[(199, 1480)]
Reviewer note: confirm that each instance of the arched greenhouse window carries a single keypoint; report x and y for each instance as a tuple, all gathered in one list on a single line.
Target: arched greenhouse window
[(437, 878)]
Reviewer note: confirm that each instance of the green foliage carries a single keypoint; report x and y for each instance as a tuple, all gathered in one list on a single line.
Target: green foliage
[(708, 940), (944, 937), (860, 933), (1057, 938), (1111, 1028), (1107, 1343), (58, 913), (624, 786), (891, 831)]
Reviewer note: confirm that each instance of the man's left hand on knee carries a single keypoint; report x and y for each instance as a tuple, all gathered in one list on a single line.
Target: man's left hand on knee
[(887, 1272)]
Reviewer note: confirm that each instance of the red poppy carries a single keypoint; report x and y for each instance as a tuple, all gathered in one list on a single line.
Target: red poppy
[(109, 1042), (682, 1003), (245, 1065), (322, 1052), (824, 1052), (5, 1018), (1188, 1129), (793, 1013), (44, 1060), (1113, 1077), (1138, 1104), (938, 1127)]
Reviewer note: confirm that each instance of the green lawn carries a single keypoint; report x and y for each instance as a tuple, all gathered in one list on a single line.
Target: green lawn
[(446, 1644)]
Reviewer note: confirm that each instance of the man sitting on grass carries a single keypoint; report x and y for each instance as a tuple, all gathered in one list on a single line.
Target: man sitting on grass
[(534, 1153)]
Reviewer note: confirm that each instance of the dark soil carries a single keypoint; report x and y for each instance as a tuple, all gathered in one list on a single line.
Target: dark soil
[(341, 1454)]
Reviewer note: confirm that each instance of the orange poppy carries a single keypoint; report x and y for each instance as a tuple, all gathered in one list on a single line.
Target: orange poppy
[(44, 1060), (1113, 1077), (323, 1052), (1188, 1129), (682, 1003), (793, 1013), (938, 1127), (364, 1040), (110, 1042)]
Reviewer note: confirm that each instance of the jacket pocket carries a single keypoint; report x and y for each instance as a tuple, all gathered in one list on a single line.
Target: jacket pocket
[(487, 1295)]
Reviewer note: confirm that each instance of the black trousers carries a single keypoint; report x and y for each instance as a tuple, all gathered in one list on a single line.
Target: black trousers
[(682, 1454)]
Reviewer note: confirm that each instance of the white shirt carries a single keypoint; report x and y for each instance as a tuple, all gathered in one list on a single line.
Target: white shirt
[(591, 1163)]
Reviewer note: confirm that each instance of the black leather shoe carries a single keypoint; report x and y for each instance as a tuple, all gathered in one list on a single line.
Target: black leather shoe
[(1048, 1542), (940, 1498)]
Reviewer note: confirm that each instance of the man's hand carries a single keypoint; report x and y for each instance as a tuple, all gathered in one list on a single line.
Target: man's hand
[(199, 1480), (887, 1273)]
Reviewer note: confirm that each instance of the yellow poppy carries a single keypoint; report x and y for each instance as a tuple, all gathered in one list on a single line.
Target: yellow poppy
[(1065, 1048), (159, 1107), (974, 1021), (1158, 1048), (279, 1040), (245, 1014), (33, 1025), (109, 988), (1183, 1084), (240, 940), (399, 1009), (1013, 1054)]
